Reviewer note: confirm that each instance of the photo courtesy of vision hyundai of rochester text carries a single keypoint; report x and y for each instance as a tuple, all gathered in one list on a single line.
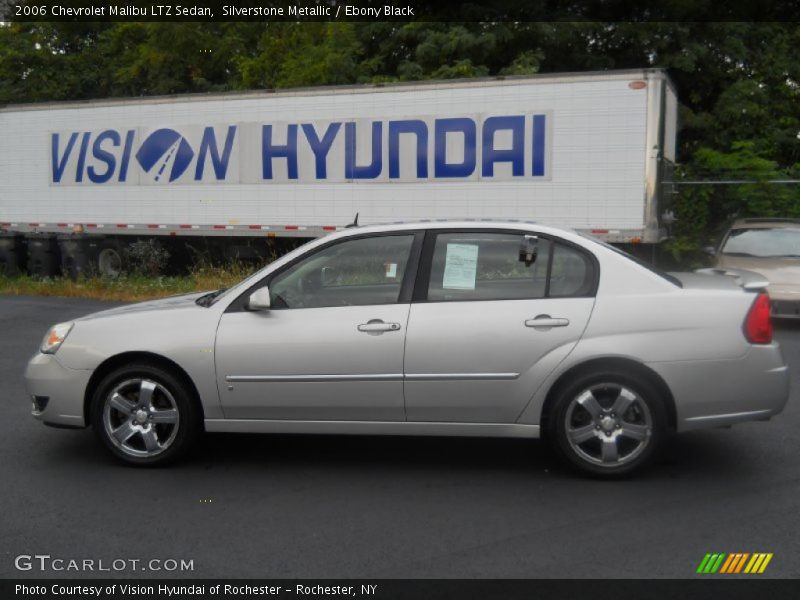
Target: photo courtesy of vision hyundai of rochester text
[(458, 328)]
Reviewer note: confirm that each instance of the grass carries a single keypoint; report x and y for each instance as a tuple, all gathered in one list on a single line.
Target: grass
[(126, 288)]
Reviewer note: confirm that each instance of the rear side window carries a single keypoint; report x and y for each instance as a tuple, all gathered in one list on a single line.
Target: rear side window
[(571, 273), (487, 266)]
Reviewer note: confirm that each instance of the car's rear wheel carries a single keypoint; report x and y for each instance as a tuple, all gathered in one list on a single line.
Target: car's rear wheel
[(607, 424), (144, 415)]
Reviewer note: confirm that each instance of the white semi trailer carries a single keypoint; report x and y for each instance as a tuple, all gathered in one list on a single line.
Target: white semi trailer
[(583, 150)]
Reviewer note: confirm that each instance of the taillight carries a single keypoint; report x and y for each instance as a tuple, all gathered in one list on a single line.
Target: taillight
[(757, 325)]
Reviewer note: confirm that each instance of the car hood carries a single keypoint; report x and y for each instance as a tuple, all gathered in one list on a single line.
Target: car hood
[(171, 303), (778, 271)]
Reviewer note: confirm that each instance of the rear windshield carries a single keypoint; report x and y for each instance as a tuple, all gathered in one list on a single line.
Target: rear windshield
[(642, 263), (781, 242)]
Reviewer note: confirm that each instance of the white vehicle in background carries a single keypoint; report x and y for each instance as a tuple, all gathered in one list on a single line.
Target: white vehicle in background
[(80, 181), (771, 248)]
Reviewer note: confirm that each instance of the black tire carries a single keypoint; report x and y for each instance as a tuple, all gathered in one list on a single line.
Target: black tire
[(567, 420), (168, 394), (110, 258)]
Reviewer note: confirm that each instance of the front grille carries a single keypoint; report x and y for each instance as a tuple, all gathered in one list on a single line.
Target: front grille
[(40, 403)]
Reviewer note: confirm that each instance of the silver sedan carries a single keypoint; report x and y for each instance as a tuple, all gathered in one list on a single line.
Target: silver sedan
[(446, 328)]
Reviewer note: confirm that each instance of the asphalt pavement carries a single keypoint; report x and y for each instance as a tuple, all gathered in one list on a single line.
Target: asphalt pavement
[(375, 507)]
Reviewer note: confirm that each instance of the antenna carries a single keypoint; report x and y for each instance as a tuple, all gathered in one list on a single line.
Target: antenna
[(353, 224)]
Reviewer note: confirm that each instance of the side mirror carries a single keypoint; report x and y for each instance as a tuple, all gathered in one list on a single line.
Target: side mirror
[(529, 249), (710, 250), (259, 300)]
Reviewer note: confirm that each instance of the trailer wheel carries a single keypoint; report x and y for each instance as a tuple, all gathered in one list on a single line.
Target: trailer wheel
[(109, 261)]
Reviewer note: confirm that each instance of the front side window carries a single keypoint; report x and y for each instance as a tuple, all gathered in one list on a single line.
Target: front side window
[(356, 272)]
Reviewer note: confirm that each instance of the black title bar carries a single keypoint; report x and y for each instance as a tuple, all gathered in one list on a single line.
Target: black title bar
[(705, 587), (397, 10)]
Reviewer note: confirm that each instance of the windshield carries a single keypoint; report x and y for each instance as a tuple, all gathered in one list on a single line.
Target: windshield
[(763, 243)]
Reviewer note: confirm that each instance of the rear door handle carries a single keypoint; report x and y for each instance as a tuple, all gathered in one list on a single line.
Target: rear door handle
[(546, 322), (377, 326)]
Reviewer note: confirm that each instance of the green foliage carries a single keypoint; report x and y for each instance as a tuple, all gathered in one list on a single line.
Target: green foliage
[(704, 211), (146, 257), (738, 82)]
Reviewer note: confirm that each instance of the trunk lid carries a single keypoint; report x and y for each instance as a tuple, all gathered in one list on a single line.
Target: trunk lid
[(723, 279)]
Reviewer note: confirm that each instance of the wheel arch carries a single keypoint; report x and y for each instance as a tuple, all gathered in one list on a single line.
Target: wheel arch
[(157, 360), (612, 364)]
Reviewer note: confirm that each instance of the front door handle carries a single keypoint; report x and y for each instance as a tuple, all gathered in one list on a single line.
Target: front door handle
[(546, 322), (375, 326)]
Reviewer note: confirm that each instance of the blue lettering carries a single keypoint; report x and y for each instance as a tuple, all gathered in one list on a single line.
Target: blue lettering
[(104, 156), (208, 145), (126, 155), (60, 165), (515, 155), (416, 127), (372, 170), (82, 157), (464, 126), (270, 151), (320, 148), (537, 154)]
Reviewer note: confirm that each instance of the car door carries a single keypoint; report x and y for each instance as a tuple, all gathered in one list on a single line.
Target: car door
[(489, 322), (331, 345)]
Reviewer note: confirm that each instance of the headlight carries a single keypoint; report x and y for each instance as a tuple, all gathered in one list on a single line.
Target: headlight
[(55, 337)]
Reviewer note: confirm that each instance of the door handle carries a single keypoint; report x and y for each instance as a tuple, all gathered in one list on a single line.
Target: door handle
[(546, 322), (377, 326)]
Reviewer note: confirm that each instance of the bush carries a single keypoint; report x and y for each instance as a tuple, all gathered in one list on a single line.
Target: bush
[(146, 257)]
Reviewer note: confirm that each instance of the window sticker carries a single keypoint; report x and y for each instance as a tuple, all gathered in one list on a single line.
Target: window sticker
[(390, 269), (461, 267)]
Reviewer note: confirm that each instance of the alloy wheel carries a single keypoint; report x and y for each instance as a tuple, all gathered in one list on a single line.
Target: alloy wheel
[(141, 417), (608, 424)]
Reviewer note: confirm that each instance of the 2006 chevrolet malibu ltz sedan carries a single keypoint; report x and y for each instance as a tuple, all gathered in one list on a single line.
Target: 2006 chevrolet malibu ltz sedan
[(443, 328)]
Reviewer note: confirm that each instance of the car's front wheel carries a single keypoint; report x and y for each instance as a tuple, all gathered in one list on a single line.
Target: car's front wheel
[(607, 424), (144, 415)]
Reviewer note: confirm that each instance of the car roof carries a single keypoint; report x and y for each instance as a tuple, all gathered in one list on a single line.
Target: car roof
[(458, 224), (765, 223)]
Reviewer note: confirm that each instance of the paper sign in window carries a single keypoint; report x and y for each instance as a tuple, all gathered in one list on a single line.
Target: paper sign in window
[(390, 269), (461, 267)]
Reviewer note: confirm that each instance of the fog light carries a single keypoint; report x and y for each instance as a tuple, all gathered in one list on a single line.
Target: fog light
[(40, 403)]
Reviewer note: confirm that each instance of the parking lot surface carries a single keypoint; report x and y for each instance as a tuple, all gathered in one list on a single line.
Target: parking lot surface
[(370, 507)]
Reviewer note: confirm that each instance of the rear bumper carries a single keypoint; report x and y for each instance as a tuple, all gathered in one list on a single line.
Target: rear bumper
[(717, 393), (785, 309), (59, 391)]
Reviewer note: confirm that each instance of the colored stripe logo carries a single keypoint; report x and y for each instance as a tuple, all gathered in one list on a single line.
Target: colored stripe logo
[(737, 562)]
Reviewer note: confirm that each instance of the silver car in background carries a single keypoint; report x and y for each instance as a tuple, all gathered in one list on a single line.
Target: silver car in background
[(771, 248), (441, 328)]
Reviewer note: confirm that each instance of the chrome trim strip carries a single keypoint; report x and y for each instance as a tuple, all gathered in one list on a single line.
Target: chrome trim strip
[(724, 420), (460, 376), (753, 414), (371, 377), (312, 378), (503, 430)]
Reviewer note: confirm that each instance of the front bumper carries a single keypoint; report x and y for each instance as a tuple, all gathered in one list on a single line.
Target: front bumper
[(718, 393), (58, 391)]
